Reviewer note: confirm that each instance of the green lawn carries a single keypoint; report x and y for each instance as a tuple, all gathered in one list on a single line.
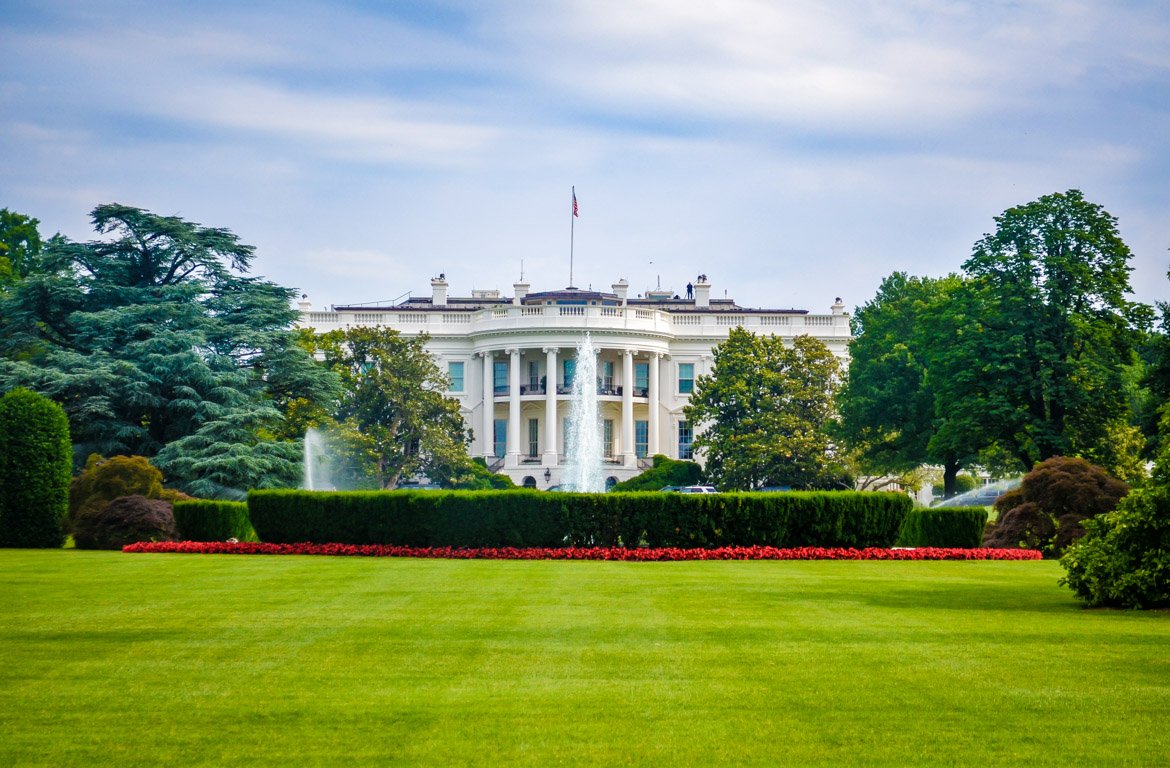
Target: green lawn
[(181, 659)]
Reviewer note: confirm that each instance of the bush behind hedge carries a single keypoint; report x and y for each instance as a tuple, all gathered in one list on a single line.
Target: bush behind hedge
[(205, 520), (944, 527), (540, 519)]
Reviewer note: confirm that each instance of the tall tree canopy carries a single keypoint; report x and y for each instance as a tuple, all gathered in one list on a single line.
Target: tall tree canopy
[(393, 418), (891, 414), (20, 244), (762, 414), (157, 343), (1038, 353)]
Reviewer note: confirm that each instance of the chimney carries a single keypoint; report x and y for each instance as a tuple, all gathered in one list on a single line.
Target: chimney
[(521, 289), (838, 307), (304, 305), (621, 287), (702, 292), (439, 290)]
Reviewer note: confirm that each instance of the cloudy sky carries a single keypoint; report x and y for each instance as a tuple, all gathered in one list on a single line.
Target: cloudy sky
[(792, 150)]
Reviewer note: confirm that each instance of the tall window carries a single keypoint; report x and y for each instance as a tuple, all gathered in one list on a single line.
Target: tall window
[(500, 445), (500, 377), (455, 374), (607, 375), (641, 438), (570, 369), (686, 436), (686, 378), (641, 378), (533, 437), (607, 438), (565, 437), (533, 375)]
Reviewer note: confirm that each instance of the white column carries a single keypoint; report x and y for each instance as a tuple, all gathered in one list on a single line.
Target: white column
[(514, 408), (489, 407), (550, 407), (628, 458), (653, 404)]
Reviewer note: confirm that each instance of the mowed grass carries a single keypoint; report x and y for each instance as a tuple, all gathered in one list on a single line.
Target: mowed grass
[(213, 660)]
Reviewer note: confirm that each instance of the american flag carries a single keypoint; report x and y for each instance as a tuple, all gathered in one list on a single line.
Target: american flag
[(575, 204)]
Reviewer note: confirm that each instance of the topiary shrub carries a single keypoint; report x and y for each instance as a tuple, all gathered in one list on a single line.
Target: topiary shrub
[(202, 520), (123, 521), (960, 527), (1047, 510), (1124, 558), (36, 459)]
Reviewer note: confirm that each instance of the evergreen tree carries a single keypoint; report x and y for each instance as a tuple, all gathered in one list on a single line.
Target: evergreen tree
[(156, 338)]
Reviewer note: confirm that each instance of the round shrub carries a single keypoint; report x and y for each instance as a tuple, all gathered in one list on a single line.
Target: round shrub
[(1048, 509), (123, 521), (1124, 558), (104, 480), (36, 459)]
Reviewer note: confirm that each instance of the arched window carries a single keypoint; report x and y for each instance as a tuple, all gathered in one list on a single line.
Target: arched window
[(610, 482), (529, 481)]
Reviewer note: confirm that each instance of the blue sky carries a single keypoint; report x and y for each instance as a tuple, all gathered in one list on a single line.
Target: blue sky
[(792, 151)]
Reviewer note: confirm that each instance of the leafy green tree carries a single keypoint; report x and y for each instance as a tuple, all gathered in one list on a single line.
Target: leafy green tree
[(394, 421), (157, 343), (664, 472), (1038, 340), (20, 244), (891, 414), (762, 414)]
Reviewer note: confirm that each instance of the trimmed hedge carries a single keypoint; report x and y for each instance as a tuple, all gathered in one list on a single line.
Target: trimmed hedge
[(36, 461), (944, 527), (203, 520), (538, 519)]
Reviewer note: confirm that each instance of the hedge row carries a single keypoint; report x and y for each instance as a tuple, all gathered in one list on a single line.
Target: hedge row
[(944, 527), (539, 519), (202, 520)]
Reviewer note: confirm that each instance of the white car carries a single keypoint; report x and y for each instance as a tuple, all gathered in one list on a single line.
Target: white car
[(698, 489)]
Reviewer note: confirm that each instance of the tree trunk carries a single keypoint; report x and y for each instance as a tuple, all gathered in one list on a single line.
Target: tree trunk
[(950, 477)]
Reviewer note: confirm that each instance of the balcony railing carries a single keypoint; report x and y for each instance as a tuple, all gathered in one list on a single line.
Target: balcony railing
[(552, 317), (603, 391)]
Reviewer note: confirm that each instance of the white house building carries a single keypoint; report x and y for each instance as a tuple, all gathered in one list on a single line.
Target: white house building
[(511, 363)]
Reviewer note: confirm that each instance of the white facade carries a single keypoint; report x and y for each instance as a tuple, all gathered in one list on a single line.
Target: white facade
[(509, 358)]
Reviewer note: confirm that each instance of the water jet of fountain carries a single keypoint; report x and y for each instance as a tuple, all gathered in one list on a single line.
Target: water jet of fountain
[(583, 443), (316, 471)]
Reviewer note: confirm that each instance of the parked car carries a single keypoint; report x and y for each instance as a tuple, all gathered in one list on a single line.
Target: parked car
[(698, 489)]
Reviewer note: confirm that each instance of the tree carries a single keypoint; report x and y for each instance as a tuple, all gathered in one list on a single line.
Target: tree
[(393, 418), (20, 244), (158, 344), (1039, 337), (891, 414), (34, 470), (762, 413), (663, 472)]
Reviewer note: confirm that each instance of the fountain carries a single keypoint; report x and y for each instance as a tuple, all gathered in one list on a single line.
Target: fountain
[(583, 443), (316, 462)]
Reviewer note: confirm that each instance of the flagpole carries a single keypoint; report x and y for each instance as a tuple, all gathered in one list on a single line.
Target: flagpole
[(572, 223)]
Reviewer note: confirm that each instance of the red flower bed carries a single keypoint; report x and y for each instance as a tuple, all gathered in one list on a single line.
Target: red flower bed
[(582, 553)]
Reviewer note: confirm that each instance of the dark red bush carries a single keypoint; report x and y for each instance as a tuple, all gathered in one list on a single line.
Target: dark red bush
[(1046, 511), (125, 520)]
